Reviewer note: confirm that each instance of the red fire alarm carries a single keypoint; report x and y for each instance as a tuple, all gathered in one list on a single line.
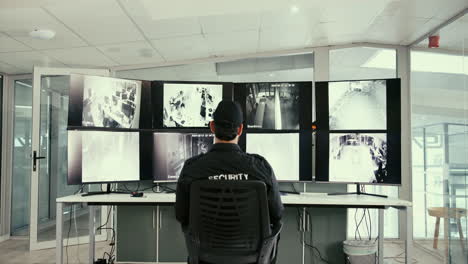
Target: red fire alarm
[(434, 41)]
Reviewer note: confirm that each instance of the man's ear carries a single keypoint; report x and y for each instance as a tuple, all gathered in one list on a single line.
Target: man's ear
[(240, 129), (212, 127)]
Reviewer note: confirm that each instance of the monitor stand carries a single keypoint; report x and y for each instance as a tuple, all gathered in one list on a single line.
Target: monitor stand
[(108, 191), (358, 192)]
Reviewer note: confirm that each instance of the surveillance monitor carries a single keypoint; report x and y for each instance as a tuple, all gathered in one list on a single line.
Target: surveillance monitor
[(103, 156), (272, 105), (171, 150), (281, 150), (358, 157), (103, 102), (190, 104)]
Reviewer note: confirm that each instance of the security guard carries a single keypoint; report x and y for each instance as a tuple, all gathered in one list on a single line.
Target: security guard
[(226, 161)]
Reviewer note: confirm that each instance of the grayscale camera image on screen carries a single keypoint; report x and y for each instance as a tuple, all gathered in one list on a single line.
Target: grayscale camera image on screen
[(358, 157), (171, 150), (190, 105), (111, 102), (272, 105), (280, 150), (110, 156), (357, 105)]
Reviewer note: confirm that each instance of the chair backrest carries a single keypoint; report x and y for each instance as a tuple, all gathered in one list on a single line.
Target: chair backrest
[(229, 218)]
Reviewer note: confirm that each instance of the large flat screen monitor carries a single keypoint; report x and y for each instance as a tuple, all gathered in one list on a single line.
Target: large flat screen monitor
[(272, 105), (355, 105), (171, 150), (358, 157), (190, 104), (103, 157), (281, 150), (103, 102)]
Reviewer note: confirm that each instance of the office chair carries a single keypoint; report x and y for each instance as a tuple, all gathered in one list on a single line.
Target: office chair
[(229, 223)]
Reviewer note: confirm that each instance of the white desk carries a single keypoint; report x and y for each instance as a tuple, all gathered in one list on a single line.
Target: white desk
[(302, 200)]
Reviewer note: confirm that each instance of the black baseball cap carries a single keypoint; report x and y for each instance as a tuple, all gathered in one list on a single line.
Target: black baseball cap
[(228, 113)]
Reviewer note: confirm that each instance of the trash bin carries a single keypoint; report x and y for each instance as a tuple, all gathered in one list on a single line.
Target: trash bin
[(360, 251)]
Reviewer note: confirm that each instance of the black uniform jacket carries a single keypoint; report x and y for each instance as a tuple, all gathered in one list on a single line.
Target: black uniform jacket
[(226, 161)]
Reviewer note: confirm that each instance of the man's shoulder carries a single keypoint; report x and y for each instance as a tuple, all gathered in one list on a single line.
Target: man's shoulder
[(194, 159), (259, 161), (256, 157)]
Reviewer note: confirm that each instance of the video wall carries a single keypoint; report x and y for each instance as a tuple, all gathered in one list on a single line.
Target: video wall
[(127, 130), (359, 131)]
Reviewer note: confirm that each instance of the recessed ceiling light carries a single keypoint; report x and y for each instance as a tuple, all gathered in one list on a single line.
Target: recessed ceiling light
[(294, 9), (44, 34)]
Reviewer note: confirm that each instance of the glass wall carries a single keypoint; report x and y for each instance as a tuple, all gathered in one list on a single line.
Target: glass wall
[(21, 157), (360, 63), (439, 81)]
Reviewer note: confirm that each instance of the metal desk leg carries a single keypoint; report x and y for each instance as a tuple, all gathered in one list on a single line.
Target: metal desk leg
[(409, 235), (381, 236), (92, 211), (59, 233)]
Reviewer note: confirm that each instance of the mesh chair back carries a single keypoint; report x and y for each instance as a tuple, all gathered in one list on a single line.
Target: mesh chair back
[(229, 218)]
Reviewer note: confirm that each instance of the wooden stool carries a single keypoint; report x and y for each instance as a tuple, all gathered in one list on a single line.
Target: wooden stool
[(447, 213)]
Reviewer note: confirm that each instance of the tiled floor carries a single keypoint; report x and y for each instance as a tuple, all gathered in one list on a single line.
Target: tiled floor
[(16, 252)]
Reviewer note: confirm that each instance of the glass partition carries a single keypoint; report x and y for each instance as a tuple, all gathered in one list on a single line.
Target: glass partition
[(439, 105), (22, 126)]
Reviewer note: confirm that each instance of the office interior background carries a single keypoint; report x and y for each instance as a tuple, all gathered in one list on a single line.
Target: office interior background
[(233, 41)]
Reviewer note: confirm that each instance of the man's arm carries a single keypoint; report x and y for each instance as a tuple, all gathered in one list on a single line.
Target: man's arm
[(275, 204), (182, 199)]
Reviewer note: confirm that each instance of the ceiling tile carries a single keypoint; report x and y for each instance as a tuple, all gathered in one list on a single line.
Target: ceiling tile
[(156, 28), (286, 20), (336, 10), (18, 22), (81, 57), (99, 22), (228, 23), (393, 29), (241, 42), (424, 8), (8, 44), (278, 39), (180, 48), (131, 53), (9, 69), (413, 8), (26, 60), (160, 9), (422, 30)]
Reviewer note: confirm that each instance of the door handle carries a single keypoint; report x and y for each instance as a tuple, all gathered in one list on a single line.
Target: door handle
[(35, 158)]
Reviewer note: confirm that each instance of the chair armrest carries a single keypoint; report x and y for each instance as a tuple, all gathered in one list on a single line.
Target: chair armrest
[(269, 246)]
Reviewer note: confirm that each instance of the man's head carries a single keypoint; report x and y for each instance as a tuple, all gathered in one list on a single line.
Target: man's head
[(227, 122)]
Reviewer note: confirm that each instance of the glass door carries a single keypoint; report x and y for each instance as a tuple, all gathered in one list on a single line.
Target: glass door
[(20, 149), (50, 93)]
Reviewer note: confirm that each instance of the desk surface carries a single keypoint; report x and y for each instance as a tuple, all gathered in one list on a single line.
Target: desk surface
[(306, 199)]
